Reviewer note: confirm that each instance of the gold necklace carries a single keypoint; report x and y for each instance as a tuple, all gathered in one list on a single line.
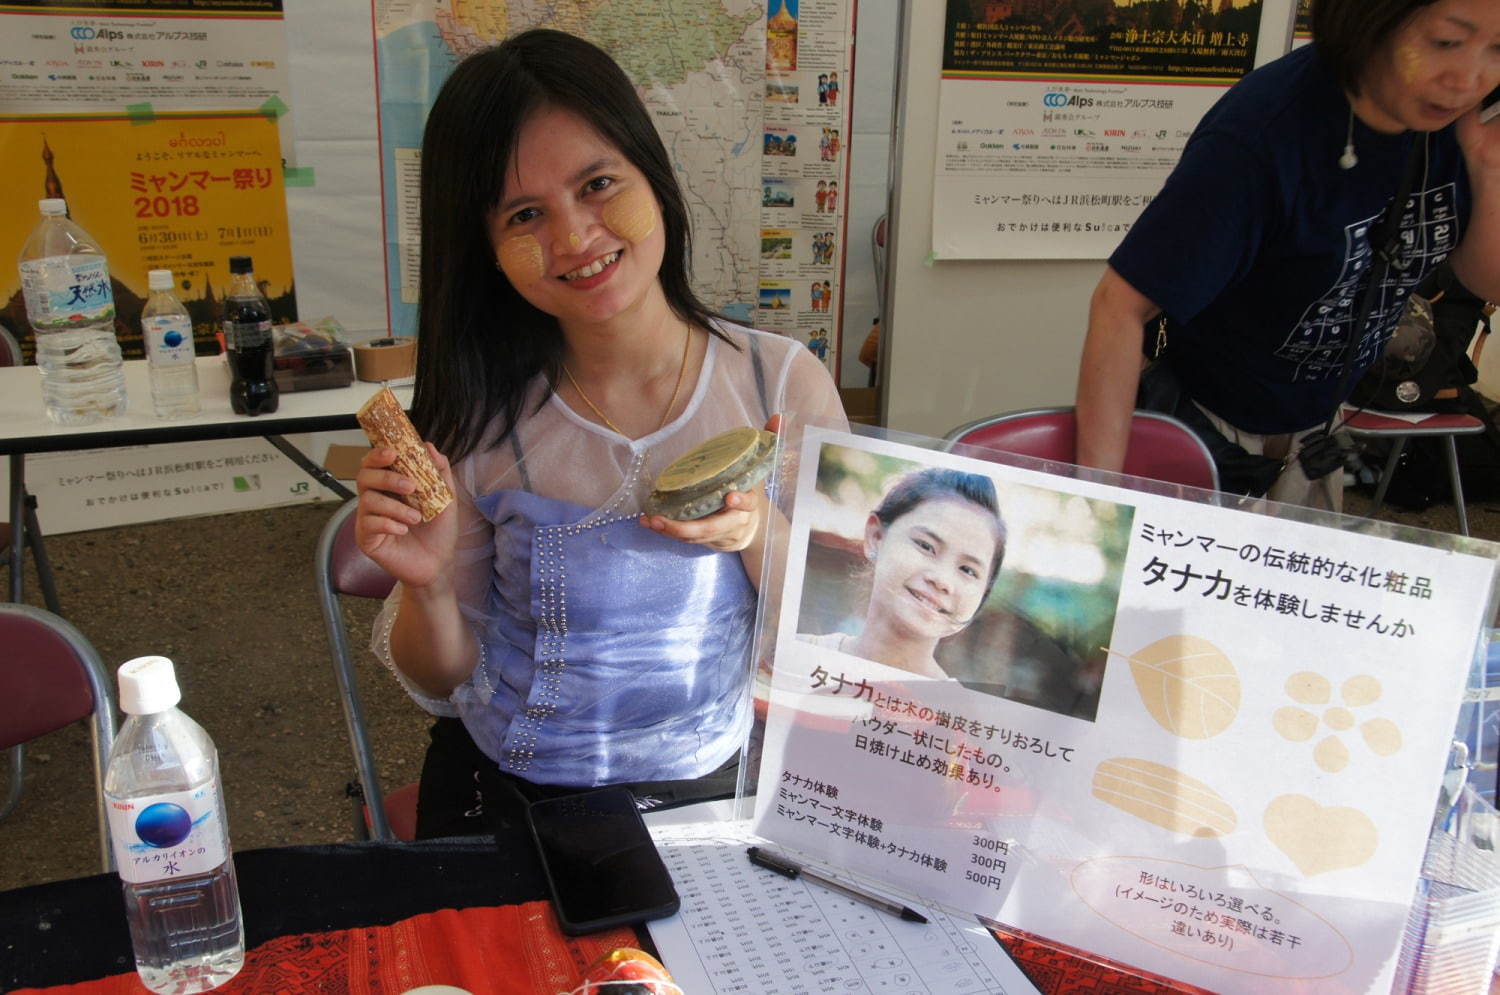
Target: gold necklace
[(672, 403)]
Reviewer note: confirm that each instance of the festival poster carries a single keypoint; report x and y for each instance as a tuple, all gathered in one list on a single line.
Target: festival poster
[(182, 191), (805, 166), (1141, 726), (1059, 123)]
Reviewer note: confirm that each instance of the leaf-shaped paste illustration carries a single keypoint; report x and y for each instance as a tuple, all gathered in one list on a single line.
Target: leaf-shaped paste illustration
[(1163, 797), (1318, 838), (1188, 685)]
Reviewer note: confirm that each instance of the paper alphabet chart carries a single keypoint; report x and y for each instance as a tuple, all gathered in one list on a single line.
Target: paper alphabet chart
[(745, 930)]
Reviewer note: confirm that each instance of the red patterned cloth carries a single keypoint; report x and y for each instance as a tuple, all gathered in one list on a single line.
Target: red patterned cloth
[(502, 950), (1060, 970)]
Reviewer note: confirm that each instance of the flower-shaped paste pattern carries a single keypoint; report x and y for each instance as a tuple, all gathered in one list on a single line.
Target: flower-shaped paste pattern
[(1316, 710)]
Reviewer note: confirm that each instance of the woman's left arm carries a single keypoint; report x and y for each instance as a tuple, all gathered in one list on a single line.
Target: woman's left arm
[(1476, 261)]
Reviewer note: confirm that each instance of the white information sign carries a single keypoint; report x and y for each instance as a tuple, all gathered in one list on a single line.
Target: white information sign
[(1199, 741)]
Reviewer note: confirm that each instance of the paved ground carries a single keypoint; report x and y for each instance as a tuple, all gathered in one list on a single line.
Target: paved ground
[(231, 600)]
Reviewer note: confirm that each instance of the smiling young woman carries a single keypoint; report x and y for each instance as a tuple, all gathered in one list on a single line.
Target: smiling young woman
[(565, 640), (934, 546)]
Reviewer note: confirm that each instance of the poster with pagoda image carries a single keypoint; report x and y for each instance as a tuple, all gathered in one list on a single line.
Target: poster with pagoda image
[(179, 191)]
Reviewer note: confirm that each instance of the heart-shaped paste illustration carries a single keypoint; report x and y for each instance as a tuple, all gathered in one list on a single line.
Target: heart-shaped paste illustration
[(1320, 838)]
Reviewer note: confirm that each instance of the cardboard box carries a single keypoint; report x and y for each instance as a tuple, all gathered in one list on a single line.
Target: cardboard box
[(861, 404), (343, 461)]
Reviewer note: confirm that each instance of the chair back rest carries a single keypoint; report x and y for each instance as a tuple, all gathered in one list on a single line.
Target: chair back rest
[(1160, 447), (50, 677), (350, 571)]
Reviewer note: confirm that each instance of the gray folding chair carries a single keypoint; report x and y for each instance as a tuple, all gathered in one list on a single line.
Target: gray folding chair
[(50, 676), (342, 569), (16, 535)]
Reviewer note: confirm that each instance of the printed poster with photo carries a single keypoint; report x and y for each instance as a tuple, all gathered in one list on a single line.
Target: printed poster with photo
[(1203, 742), (1059, 122)]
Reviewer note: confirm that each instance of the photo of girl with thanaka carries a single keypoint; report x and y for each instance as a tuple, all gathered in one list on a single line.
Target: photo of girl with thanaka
[(959, 573), (934, 547)]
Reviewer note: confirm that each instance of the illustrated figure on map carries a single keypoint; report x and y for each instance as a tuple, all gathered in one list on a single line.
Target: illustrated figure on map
[(563, 639)]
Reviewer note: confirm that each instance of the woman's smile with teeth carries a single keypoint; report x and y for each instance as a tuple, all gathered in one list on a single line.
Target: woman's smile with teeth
[(593, 268), (926, 601)]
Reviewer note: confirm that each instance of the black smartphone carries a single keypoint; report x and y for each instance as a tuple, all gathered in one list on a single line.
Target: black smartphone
[(600, 861), (1489, 106)]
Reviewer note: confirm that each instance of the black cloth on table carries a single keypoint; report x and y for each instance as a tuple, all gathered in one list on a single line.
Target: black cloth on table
[(73, 931)]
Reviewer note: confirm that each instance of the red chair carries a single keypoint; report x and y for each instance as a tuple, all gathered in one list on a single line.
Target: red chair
[(1160, 446), (1365, 424), (50, 677), (342, 569)]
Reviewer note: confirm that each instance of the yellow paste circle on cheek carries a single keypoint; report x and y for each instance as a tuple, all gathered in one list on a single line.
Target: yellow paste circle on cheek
[(1409, 63), (632, 214), (521, 259)]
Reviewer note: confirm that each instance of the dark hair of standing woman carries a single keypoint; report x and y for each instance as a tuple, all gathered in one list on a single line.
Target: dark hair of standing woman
[(1349, 33), (481, 343), (939, 482)]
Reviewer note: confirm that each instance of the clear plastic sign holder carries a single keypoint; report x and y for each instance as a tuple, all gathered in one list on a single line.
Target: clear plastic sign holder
[(1453, 926)]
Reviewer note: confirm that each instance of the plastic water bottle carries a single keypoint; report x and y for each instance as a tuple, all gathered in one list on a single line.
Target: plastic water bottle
[(168, 334), (170, 838), (247, 335), (65, 282)]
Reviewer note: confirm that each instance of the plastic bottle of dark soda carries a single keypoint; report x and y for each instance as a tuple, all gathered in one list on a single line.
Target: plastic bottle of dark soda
[(247, 335)]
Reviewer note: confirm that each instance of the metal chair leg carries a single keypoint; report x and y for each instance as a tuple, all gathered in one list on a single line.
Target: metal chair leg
[(1386, 471), (43, 563), (1458, 487), (17, 773)]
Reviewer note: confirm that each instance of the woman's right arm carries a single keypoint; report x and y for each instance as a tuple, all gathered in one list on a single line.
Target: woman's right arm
[(1110, 371), (430, 642)]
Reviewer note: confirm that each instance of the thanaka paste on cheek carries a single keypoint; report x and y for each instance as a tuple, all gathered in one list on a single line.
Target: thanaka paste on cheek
[(1408, 63), (521, 259), (631, 215)]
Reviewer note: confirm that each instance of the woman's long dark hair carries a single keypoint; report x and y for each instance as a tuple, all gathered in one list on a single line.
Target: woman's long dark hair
[(481, 342)]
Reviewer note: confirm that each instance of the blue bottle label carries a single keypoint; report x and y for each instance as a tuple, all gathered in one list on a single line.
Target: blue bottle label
[(172, 835)]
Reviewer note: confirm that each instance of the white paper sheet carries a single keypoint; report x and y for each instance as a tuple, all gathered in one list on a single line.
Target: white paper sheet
[(744, 929)]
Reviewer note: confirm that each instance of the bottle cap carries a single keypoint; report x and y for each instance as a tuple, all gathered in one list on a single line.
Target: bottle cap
[(240, 264), (148, 684), (53, 205), (159, 279)]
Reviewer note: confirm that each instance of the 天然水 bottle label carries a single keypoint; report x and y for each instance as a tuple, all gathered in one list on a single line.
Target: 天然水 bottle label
[(67, 290)]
